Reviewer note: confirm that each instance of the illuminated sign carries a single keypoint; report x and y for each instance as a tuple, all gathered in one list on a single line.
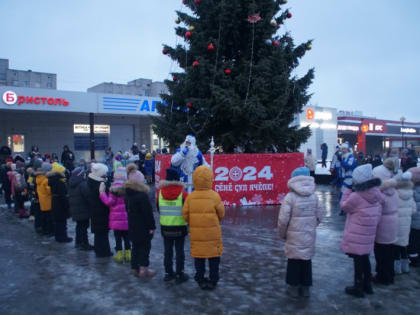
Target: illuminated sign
[(318, 115), (79, 128), (348, 128), (318, 125), (11, 98), (408, 130), (365, 128), (373, 127), (310, 114)]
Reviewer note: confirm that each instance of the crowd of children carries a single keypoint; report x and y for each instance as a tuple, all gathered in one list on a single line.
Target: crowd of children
[(381, 206)]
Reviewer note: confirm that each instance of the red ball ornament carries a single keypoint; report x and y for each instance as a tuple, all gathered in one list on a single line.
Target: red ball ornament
[(196, 1), (228, 71), (289, 15), (195, 64), (189, 105), (188, 34), (276, 43), (164, 51), (174, 78), (210, 47)]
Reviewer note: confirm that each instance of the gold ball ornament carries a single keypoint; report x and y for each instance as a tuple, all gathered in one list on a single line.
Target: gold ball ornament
[(177, 21), (309, 47), (191, 28)]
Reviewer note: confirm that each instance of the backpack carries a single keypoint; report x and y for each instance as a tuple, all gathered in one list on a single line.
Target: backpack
[(19, 182)]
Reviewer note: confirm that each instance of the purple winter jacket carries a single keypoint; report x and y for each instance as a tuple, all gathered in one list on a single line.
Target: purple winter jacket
[(388, 224), (364, 209), (118, 219)]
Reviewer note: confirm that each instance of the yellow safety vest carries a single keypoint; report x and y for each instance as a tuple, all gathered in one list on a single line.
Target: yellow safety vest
[(171, 211)]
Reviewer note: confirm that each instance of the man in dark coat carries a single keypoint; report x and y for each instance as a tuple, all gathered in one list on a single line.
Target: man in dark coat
[(6, 185), (79, 207), (99, 213), (67, 158), (59, 202), (324, 154)]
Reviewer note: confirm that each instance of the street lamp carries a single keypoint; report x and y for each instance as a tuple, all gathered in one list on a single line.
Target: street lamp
[(402, 134)]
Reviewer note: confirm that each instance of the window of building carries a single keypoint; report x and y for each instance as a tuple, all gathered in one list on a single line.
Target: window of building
[(15, 83), (49, 85), (26, 83), (16, 143)]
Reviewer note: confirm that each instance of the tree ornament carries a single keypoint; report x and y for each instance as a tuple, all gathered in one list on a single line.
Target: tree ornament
[(210, 47), (184, 1), (276, 43), (273, 22), (289, 15), (177, 21), (268, 41), (164, 51), (191, 28), (196, 1), (174, 78), (309, 47), (254, 18), (189, 105), (228, 71), (188, 34), (195, 64)]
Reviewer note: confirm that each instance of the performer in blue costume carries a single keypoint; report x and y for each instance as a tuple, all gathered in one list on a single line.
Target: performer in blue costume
[(186, 159)]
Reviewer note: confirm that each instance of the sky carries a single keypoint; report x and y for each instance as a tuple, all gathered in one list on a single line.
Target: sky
[(365, 53)]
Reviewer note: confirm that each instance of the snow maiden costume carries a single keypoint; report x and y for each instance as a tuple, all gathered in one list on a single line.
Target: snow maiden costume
[(186, 159)]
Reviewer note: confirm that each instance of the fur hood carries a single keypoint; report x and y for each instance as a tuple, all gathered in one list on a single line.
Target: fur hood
[(404, 184), (136, 186), (375, 182), (117, 190), (166, 183), (415, 172), (302, 185), (388, 187)]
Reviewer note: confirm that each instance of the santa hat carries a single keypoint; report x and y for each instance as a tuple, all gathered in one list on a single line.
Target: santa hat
[(99, 171), (362, 174)]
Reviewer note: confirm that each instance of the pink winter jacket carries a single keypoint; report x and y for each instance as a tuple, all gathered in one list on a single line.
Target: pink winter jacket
[(299, 216), (388, 224), (364, 209), (118, 219)]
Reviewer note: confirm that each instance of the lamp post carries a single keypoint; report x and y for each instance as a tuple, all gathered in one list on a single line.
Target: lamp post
[(402, 133)]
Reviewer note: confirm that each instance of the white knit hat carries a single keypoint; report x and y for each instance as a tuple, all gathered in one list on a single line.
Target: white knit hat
[(362, 174), (99, 171), (382, 172)]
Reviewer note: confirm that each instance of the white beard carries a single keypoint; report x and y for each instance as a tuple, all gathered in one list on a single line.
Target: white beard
[(187, 165)]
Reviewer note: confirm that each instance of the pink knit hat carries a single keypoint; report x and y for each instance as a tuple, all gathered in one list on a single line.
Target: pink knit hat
[(120, 176), (136, 176)]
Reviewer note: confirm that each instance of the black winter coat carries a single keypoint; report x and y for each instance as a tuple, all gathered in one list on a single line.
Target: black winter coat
[(59, 200), (99, 213), (79, 207), (139, 210)]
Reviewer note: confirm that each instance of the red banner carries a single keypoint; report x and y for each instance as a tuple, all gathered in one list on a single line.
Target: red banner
[(246, 179)]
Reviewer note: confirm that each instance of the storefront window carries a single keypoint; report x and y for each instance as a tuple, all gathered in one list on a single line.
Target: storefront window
[(16, 143)]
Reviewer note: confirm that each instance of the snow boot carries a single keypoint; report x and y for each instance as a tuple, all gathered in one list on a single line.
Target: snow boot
[(397, 267), (356, 290), (293, 291), (414, 261), (86, 247), (367, 286), (127, 255), (119, 256), (181, 278), (405, 265)]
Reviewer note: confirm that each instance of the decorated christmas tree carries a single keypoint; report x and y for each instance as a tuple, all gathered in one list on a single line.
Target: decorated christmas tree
[(237, 80)]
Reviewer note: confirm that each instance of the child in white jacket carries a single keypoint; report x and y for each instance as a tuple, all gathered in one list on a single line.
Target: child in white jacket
[(299, 216), (406, 209)]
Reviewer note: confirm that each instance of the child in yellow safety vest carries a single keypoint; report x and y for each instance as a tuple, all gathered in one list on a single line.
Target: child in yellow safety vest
[(171, 196)]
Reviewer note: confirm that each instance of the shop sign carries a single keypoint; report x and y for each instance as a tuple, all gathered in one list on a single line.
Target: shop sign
[(312, 114), (318, 125), (373, 127), (82, 128), (348, 128), (11, 98), (408, 130), (246, 179)]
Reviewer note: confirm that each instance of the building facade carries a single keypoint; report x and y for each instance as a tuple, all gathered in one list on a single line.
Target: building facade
[(28, 78), (51, 119), (141, 87)]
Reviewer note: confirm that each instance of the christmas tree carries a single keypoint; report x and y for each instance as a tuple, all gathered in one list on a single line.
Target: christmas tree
[(237, 82)]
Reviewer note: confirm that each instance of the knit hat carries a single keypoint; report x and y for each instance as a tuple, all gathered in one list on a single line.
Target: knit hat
[(58, 168), (46, 167), (37, 164), (20, 164), (389, 164), (345, 145), (382, 172), (120, 176), (301, 171), (148, 156), (98, 172), (136, 176), (405, 177), (362, 174), (172, 174)]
